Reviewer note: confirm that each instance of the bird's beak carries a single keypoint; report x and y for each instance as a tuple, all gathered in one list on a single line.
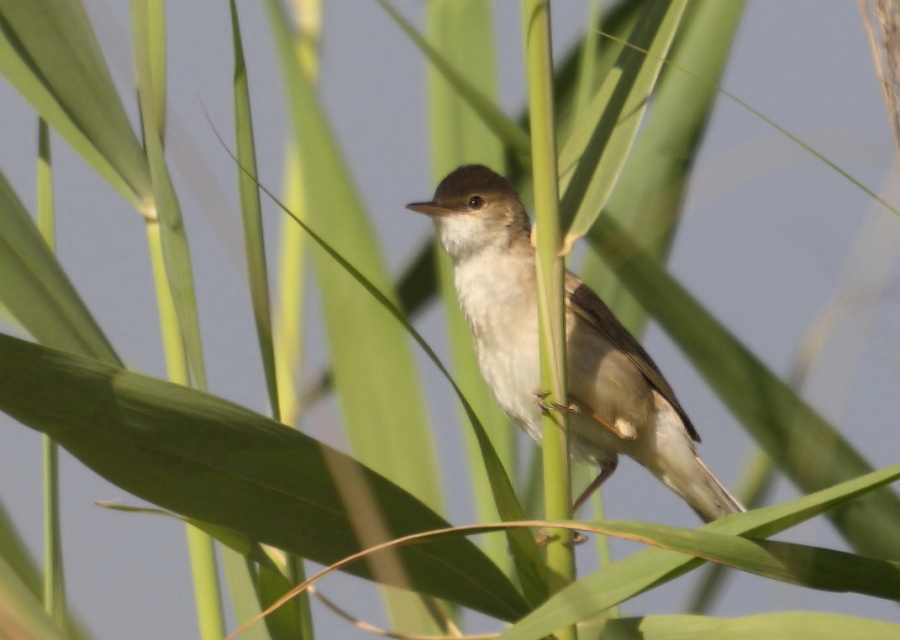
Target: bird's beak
[(429, 209)]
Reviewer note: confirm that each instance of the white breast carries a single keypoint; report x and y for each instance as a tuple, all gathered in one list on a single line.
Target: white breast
[(497, 297)]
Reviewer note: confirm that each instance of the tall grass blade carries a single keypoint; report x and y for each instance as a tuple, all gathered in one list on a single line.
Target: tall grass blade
[(377, 386), (289, 321), (251, 216), (289, 623), (595, 152), (463, 32), (49, 53)]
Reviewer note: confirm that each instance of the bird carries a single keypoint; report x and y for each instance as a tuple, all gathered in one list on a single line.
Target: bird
[(619, 402)]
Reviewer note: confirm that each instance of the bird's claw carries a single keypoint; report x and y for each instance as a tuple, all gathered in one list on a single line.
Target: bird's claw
[(546, 407), (577, 539), (545, 537)]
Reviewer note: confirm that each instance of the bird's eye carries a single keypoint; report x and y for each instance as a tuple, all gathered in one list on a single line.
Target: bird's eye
[(476, 202)]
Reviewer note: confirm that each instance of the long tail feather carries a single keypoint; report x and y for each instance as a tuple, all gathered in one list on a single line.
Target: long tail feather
[(714, 500)]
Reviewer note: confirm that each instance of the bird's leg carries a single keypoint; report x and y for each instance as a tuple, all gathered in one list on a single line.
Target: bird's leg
[(546, 407), (544, 537), (621, 427), (607, 468)]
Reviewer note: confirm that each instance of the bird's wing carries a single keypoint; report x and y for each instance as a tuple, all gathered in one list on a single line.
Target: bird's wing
[(581, 300)]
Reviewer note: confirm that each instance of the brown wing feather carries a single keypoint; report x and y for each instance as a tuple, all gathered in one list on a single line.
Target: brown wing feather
[(584, 302)]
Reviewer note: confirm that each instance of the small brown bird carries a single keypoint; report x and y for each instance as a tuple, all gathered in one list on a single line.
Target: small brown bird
[(620, 403)]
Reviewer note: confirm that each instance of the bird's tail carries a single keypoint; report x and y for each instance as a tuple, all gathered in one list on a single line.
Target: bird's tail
[(708, 496), (669, 453)]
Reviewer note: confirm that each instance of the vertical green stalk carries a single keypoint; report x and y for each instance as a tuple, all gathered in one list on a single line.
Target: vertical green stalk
[(288, 324), (54, 587), (170, 259), (550, 274), (200, 547), (288, 320)]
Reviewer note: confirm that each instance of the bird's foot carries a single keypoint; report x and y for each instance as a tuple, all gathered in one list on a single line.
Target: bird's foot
[(545, 537), (548, 406)]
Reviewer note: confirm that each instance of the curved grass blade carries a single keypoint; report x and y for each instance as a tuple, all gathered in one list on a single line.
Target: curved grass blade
[(215, 461), (570, 77), (49, 53), (504, 495), (804, 565), (626, 578), (601, 139), (251, 215), (803, 444), (36, 290), (789, 625), (416, 287)]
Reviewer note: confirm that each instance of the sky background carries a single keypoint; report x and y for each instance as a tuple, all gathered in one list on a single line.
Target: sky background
[(770, 236)]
